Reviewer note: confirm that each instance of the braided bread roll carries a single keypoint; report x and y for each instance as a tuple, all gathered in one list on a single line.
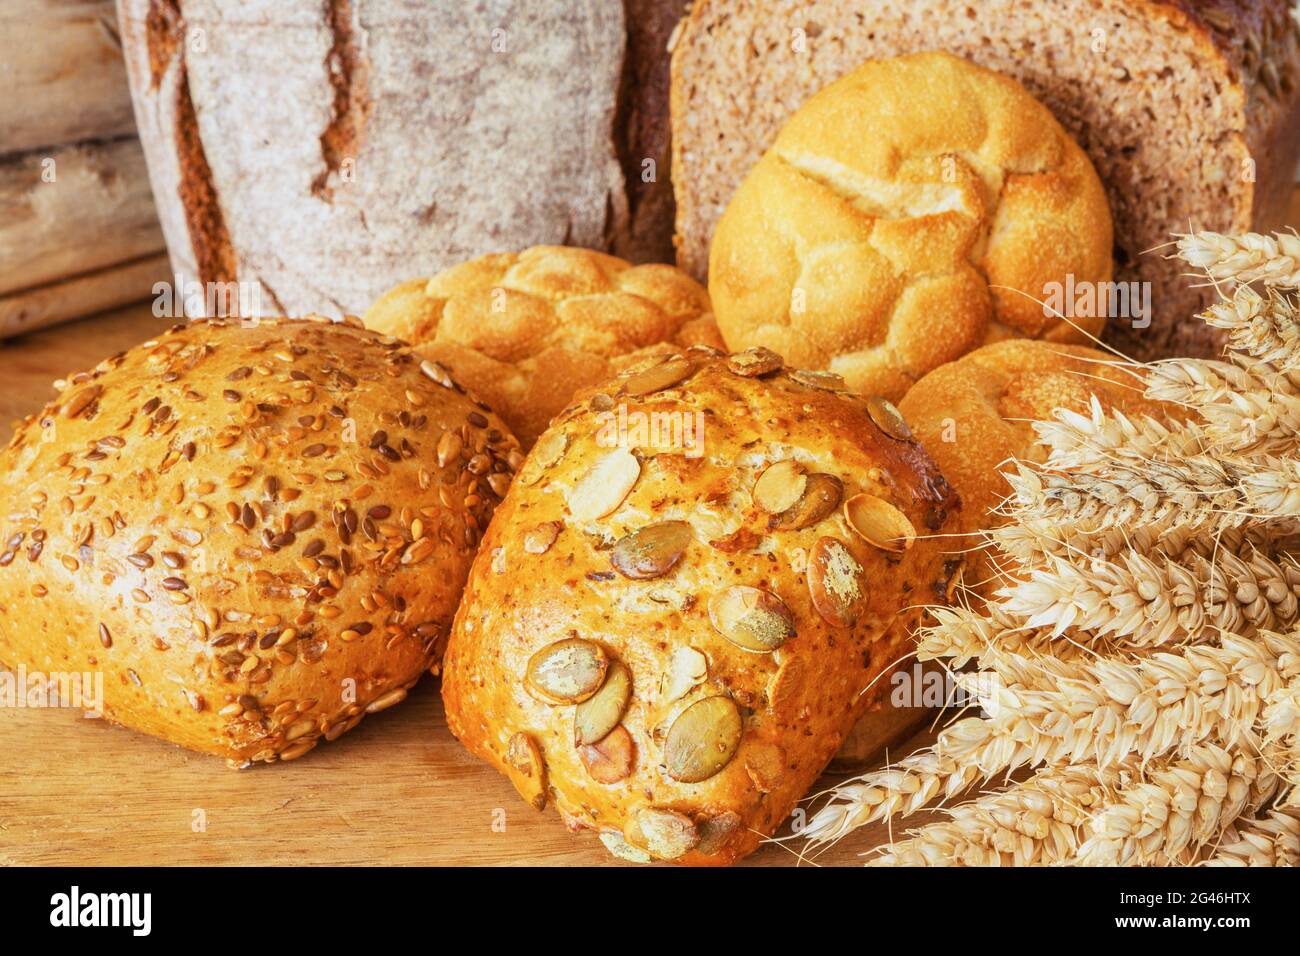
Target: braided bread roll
[(526, 330)]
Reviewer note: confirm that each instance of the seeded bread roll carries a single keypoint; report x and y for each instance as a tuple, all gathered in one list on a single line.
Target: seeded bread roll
[(976, 414), (257, 534), (669, 638), (907, 213), (526, 330)]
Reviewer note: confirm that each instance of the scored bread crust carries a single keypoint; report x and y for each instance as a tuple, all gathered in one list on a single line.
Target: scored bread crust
[(411, 124), (976, 414), (526, 330), (911, 211), (257, 534), (547, 572)]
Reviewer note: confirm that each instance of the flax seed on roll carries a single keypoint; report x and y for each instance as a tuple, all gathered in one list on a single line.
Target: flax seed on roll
[(257, 534), (669, 642), (526, 330)]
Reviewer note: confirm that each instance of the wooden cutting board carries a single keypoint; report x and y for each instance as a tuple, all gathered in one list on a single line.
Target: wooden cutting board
[(397, 790)]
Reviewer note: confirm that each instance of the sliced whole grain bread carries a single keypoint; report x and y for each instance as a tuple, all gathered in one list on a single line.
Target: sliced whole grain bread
[(323, 153), (1190, 111)]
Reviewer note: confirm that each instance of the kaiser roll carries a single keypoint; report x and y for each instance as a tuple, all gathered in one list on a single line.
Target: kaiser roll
[(526, 330), (691, 593), (258, 534), (907, 213), (976, 414)]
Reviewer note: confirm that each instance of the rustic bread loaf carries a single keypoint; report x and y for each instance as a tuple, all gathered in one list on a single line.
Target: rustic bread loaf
[(398, 136), (525, 331), (1189, 111), (976, 414), (911, 211), (668, 633), (257, 534)]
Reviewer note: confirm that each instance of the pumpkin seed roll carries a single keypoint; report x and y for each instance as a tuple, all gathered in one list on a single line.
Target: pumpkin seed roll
[(694, 588)]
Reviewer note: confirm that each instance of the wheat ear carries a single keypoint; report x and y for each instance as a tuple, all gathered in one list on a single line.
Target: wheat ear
[(1120, 813), (1028, 546), (1033, 540), (1266, 327), (1049, 711), (1096, 441), (959, 635), (1147, 601), (1248, 257), (1056, 712), (1177, 809), (1200, 493), (1033, 823), (1248, 405), (962, 755), (1269, 840)]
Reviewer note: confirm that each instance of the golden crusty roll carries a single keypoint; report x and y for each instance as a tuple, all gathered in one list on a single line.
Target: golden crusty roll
[(911, 211), (668, 633), (526, 330), (257, 533), (976, 414)]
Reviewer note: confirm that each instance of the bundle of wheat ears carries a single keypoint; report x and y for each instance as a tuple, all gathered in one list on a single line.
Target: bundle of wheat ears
[(1139, 655)]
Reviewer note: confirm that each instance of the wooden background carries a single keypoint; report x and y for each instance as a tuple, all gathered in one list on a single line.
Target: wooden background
[(92, 242)]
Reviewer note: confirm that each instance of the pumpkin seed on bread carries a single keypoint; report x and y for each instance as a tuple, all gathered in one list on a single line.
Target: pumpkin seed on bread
[(674, 636)]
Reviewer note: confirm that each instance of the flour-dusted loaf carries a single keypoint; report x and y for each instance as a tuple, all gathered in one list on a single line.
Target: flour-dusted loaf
[(526, 330), (909, 212), (323, 153), (1190, 111), (671, 627), (257, 535), (977, 414)]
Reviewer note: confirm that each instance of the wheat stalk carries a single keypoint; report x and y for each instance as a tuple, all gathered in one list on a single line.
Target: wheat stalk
[(1177, 809), (1269, 840), (1142, 652), (1251, 257), (1248, 405), (1198, 493), (1150, 601)]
